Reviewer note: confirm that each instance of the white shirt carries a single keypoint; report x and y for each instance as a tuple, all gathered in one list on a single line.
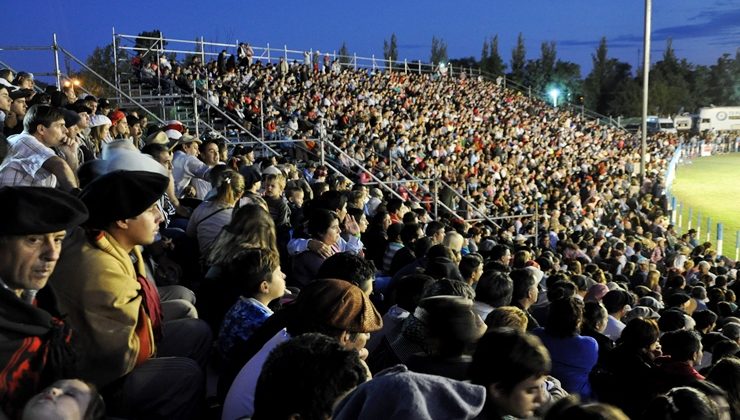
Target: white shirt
[(240, 399), (614, 328), (186, 167), (23, 164)]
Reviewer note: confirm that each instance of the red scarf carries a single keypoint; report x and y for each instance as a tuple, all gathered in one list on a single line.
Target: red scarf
[(152, 305)]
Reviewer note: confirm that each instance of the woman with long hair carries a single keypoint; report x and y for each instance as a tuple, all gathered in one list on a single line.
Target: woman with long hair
[(250, 227), (212, 215), (573, 355)]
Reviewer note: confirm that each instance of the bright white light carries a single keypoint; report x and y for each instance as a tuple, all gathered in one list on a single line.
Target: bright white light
[(554, 93)]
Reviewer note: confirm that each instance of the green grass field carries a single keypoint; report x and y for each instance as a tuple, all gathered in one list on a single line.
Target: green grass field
[(711, 186)]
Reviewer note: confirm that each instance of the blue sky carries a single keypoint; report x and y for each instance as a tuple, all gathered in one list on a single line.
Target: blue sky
[(701, 30)]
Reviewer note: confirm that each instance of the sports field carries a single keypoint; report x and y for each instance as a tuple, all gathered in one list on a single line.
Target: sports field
[(711, 186)]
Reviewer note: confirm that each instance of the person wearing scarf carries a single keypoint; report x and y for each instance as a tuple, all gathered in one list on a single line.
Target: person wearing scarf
[(35, 340)]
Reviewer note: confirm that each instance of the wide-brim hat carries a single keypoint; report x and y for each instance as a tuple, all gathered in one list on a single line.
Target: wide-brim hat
[(38, 210), (121, 195)]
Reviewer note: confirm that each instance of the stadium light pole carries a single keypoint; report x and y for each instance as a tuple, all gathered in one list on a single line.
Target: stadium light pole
[(645, 88)]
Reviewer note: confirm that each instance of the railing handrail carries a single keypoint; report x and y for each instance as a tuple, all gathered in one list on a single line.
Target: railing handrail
[(115, 88)]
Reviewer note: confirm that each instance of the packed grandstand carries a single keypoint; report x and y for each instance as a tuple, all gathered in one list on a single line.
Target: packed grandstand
[(348, 243)]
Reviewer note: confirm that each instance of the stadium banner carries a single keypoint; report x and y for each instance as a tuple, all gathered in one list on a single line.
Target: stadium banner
[(706, 150)]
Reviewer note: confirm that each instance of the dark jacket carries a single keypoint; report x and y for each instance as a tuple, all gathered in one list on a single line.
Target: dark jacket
[(35, 348)]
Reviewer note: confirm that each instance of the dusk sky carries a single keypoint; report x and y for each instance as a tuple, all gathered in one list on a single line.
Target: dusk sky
[(702, 30)]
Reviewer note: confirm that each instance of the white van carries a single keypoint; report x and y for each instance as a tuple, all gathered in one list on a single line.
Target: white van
[(718, 118)]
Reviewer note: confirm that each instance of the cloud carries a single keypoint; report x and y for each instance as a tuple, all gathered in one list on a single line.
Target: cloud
[(711, 24), (717, 27)]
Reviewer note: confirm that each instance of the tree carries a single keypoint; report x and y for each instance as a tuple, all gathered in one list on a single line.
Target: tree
[(101, 62), (484, 56), (143, 41), (518, 57), (603, 83), (439, 51), (495, 64), (538, 73), (344, 56), (723, 79), (390, 50), (566, 76)]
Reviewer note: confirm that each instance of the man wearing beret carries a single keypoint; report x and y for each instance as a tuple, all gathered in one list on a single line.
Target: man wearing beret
[(145, 367), (31, 160), (35, 348)]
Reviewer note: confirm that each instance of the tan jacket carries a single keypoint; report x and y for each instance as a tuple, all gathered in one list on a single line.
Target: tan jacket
[(95, 281)]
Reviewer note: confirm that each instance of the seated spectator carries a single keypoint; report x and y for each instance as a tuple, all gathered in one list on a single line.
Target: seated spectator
[(351, 268), (404, 295), (186, 165), (493, 291), (525, 293), (70, 399), (35, 343), (594, 323), (508, 317), (452, 331), (571, 408), (726, 375), (512, 366), (573, 356), (305, 377), (250, 227), (334, 307), (211, 216), (471, 268), (414, 330), (682, 350), (31, 160), (626, 376), (208, 152), (323, 226), (260, 281), (617, 304), (682, 403), (101, 283), (398, 394)]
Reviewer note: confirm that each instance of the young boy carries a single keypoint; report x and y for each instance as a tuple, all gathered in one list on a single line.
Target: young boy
[(257, 277)]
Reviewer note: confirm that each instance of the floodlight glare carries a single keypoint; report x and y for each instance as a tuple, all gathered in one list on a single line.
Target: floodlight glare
[(554, 93)]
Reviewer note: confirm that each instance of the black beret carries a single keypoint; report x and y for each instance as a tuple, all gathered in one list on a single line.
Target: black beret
[(677, 299), (38, 210), (615, 300), (79, 106), (70, 117), (121, 195), (20, 93)]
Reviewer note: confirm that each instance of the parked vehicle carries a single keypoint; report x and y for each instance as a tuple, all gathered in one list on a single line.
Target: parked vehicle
[(719, 118)]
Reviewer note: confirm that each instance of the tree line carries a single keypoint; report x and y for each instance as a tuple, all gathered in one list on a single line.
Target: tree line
[(612, 87)]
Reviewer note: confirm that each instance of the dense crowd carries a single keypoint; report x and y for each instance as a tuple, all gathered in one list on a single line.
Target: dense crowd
[(149, 273)]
